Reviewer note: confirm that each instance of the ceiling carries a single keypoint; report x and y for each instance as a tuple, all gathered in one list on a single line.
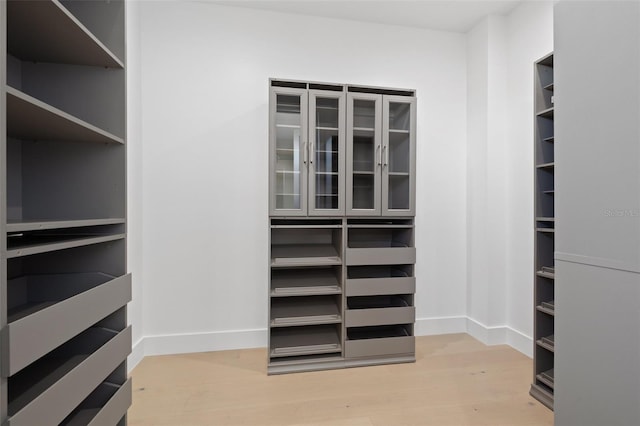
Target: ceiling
[(451, 15)]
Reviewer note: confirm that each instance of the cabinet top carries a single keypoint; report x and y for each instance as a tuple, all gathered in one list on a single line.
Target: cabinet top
[(340, 87)]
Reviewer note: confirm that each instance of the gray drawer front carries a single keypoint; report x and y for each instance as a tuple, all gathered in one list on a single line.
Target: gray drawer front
[(58, 401), (115, 408), (380, 286), (62, 321), (381, 256), (378, 347), (380, 316)]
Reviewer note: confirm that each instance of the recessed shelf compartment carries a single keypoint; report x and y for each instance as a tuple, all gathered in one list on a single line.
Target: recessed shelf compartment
[(546, 113), (305, 340), (547, 342), (54, 307), (379, 341), (380, 246), (305, 246), (104, 406), (48, 390), (305, 282), (47, 31), (40, 225), (23, 244), (304, 310), (380, 280), (547, 307), (53, 124), (379, 310), (546, 377)]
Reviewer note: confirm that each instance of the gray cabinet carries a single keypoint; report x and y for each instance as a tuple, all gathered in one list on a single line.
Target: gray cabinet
[(381, 154), (64, 285), (341, 281), (307, 148), (544, 230)]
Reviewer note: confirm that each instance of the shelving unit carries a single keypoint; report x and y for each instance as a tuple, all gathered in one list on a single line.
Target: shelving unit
[(63, 281), (544, 229), (342, 278)]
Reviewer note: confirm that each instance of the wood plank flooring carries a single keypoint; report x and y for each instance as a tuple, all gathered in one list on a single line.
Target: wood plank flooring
[(456, 381)]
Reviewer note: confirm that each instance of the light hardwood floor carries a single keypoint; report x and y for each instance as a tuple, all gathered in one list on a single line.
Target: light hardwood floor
[(455, 381)]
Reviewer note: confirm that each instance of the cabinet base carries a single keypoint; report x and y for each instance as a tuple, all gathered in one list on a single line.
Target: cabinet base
[(542, 395), (333, 364)]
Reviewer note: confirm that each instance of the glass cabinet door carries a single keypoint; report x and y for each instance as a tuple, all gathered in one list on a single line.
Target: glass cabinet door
[(364, 154), (398, 156), (326, 148), (289, 155)]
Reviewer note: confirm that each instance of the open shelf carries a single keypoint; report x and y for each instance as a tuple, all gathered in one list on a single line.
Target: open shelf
[(53, 124), (104, 406), (48, 390), (546, 166), (547, 307), (546, 113), (549, 139), (304, 282), (547, 272), (26, 246), (46, 31), (40, 225), (548, 87), (304, 255), (546, 377), (547, 342), (53, 307), (304, 310), (305, 340)]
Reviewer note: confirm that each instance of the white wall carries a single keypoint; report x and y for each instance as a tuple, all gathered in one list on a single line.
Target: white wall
[(500, 55), (204, 75)]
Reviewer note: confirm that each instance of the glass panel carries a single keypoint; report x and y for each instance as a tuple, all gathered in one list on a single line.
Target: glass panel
[(399, 116), (326, 162), (399, 151), (363, 194), (288, 177), (399, 192), (364, 114), (327, 112)]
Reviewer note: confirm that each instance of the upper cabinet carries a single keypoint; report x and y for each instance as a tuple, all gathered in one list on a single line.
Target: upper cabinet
[(337, 150), (381, 141)]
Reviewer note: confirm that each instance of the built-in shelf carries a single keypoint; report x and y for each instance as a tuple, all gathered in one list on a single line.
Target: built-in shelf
[(549, 139), (304, 340), (548, 87), (304, 282), (546, 308), (546, 166), (546, 274), (550, 192), (37, 245), (547, 230), (546, 113), (547, 377), (41, 225), (309, 310), (401, 131), (45, 31), (545, 219), (53, 124), (398, 174), (304, 255), (547, 342)]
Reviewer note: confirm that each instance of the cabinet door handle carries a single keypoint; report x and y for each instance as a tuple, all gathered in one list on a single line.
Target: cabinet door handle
[(378, 156), (385, 153), (311, 153), (304, 153)]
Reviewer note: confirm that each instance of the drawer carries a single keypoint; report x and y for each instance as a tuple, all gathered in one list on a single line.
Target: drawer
[(380, 316), (381, 256), (57, 307), (402, 345), (380, 286), (50, 389), (104, 406)]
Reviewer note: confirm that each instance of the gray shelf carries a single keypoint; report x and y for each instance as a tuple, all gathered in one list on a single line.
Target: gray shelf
[(301, 282), (547, 342), (549, 139), (40, 225), (546, 274), (546, 113), (44, 247), (547, 378), (46, 31), (305, 340), (53, 124), (546, 230), (546, 309), (286, 312), (546, 165), (51, 389), (56, 310), (304, 255), (104, 406), (548, 87)]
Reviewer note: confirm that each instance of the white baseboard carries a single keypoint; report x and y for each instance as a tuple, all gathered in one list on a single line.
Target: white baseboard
[(520, 342), (136, 355), (257, 338), (440, 325), (205, 342)]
